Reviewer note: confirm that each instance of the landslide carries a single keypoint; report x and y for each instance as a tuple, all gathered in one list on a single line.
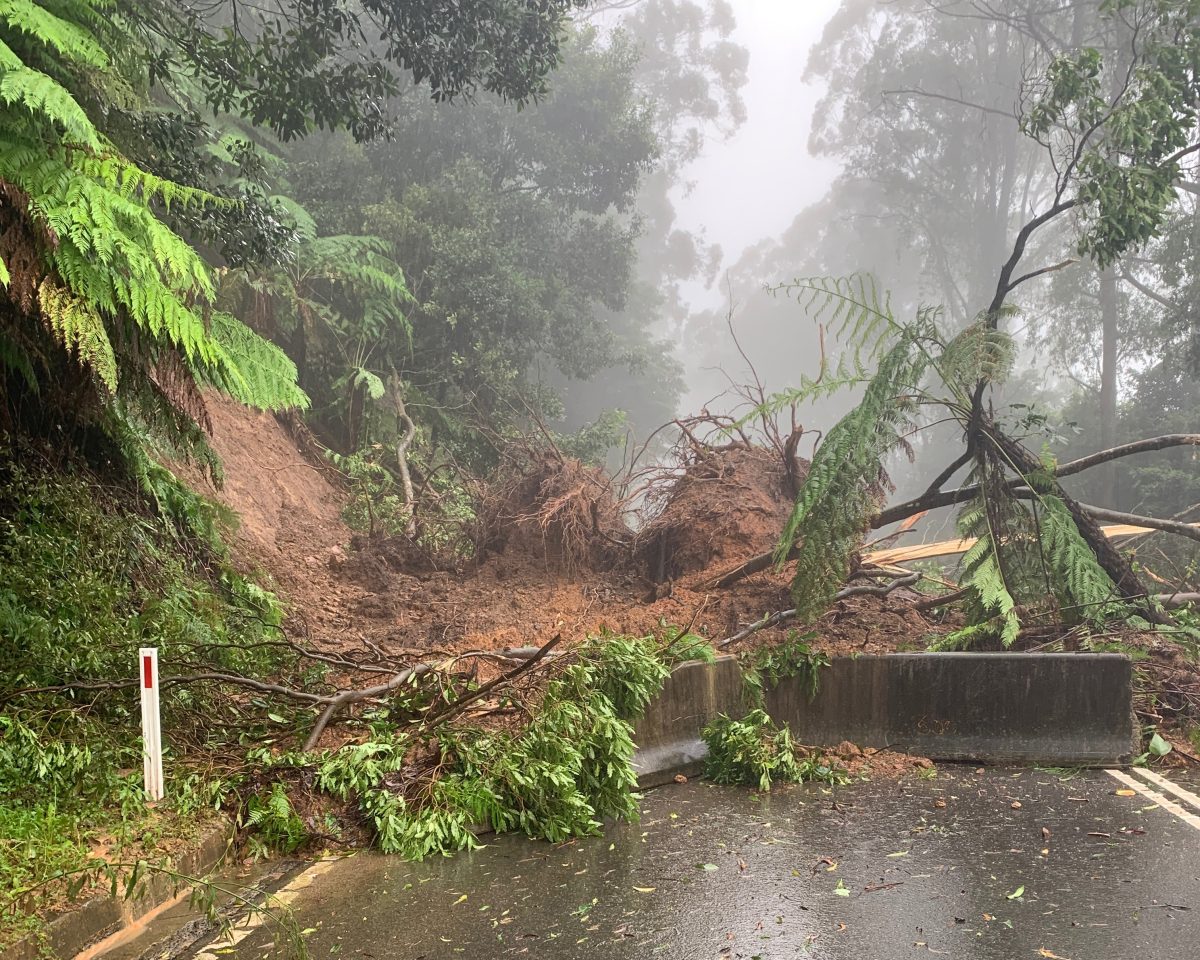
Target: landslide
[(555, 557)]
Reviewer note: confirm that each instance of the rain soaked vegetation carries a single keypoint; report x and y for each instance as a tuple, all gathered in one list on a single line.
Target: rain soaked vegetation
[(327, 327)]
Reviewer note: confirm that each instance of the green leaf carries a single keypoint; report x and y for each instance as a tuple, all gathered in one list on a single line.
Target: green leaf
[(1158, 746)]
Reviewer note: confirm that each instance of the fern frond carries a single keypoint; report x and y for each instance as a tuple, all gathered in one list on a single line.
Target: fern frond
[(977, 354), (845, 480), (1089, 595), (306, 226), (68, 40), (990, 602), (15, 358), (852, 309), (253, 370), (42, 95), (77, 325)]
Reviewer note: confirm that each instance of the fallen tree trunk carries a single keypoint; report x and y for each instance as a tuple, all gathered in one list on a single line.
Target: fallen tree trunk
[(934, 497)]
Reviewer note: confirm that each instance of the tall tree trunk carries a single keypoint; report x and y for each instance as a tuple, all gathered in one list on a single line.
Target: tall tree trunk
[(1109, 312)]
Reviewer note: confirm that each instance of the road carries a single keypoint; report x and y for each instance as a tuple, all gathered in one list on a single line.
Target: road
[(995, 864)]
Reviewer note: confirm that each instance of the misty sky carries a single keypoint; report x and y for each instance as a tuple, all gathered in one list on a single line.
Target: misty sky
[(753, 185)]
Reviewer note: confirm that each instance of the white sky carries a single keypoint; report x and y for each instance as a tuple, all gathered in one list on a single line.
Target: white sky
[(753, 185)]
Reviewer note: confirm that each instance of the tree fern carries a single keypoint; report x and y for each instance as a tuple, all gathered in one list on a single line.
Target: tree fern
[(845, 481), (77, 325), (117, 287)]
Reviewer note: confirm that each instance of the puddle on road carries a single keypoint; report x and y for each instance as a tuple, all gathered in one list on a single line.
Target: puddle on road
[(952, 866)]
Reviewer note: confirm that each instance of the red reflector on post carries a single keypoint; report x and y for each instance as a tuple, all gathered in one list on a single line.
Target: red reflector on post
[(147, 673)]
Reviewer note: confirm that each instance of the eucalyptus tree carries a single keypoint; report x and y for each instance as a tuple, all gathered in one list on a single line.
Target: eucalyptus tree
[(1118, 129)]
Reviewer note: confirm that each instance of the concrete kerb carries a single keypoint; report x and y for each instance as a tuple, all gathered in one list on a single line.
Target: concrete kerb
[(1071, 709), (88, 922)]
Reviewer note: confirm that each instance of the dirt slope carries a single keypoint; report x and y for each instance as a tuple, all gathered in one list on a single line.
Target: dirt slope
[(289, 506)]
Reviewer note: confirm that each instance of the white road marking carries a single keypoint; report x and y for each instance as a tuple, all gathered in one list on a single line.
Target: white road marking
[(1169, 805), (281, 898), (1181, 792)]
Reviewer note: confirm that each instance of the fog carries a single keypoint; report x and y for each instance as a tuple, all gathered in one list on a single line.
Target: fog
[(886, 139), (751, 185)]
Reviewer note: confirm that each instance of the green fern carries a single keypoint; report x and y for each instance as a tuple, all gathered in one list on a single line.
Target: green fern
[(41, 94), (1088, 593), (991, 604), (846, 478), (979, 353), (109, 262), (251, 369), (77, 325), (69, 40), (851, 308)]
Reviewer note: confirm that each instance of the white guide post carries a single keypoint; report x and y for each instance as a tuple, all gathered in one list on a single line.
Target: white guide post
[(151, 728)]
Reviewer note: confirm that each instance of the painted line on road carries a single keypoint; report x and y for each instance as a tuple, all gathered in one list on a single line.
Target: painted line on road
[(1169, 805), (218, 950), (1184, 794)]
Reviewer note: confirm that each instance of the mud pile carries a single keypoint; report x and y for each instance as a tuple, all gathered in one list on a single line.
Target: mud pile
[(728, 504)]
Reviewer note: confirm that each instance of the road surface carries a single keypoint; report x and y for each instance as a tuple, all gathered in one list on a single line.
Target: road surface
[(995, 865)]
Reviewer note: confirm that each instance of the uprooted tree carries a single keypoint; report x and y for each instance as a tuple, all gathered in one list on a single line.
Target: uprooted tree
[(1116, 131)]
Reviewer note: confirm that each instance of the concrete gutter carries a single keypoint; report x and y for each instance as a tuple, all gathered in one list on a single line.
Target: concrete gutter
[(1072, 709), (86, 923)]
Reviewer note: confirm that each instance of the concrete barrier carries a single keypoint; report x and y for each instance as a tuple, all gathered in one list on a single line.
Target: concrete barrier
[(668, 735), (1072, 709)]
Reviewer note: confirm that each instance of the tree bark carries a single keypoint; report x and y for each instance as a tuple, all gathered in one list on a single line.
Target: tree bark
[(1109, 315), (407, 431)]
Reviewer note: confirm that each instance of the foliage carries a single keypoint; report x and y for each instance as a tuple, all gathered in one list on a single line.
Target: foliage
[(559, 776), (1021, 551), (517, 236), (271, 816), (1125, 148), (340, 302), (85, 582), (91, 262), (755, 752), (766, 666), (846, 479), (330, 63)]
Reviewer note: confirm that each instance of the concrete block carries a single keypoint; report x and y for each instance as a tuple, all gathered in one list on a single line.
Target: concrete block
[(1072, 709), (668, 735)]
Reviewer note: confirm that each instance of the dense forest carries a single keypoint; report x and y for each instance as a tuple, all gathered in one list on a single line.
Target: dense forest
[(428, 256)]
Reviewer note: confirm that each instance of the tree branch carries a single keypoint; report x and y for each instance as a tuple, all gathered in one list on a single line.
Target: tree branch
[(931, 500), (1137, 284), (453, 709)]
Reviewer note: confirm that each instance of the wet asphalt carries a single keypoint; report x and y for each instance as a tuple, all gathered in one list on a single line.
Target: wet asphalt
[(994, 865)]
